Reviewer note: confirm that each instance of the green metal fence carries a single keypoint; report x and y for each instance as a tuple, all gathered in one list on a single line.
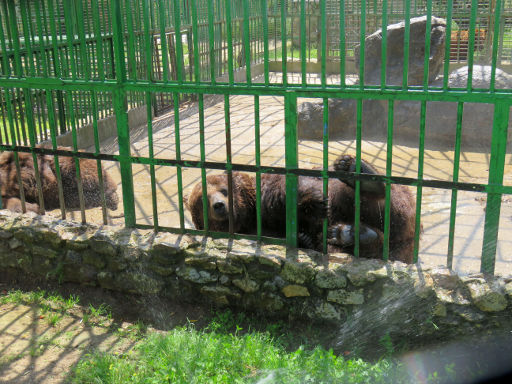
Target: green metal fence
[(66, 64)]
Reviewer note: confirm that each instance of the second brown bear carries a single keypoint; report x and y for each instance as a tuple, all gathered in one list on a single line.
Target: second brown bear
[(46, 164)]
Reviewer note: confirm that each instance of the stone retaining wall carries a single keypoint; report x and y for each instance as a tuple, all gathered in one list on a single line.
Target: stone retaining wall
[(364, 298)]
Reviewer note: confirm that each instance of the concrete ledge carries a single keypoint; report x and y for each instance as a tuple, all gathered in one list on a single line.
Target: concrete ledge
[(360, 296), (107, 128)]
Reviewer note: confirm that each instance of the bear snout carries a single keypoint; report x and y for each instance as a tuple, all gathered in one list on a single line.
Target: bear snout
[(219, 207)]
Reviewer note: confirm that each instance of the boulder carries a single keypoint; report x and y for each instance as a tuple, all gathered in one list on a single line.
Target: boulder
[(440, 123), (395, 52)]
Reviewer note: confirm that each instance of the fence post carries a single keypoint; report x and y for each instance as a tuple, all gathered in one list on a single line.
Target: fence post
[(496, 170), (120, 110), (291, 163)]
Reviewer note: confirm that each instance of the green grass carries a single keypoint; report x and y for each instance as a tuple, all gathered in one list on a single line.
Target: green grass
[(5, 131), (186, 355)]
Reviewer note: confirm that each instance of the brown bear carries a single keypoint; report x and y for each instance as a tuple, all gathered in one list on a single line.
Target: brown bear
[(9, 185), (244, 203), (311, 209)]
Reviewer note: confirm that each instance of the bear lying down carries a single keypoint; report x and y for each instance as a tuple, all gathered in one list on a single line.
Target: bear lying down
[(46, 164), (312, 209)]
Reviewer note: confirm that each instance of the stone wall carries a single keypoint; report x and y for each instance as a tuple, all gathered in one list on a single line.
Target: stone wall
[(363, 298)]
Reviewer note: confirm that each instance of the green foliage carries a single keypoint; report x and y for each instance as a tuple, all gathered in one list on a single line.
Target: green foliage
[(186, 355), (387, 344)]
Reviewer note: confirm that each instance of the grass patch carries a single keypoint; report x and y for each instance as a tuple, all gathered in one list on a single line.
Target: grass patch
[(186, 355)]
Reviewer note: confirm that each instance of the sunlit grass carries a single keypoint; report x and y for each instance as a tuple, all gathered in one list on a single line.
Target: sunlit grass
[(186, 355)]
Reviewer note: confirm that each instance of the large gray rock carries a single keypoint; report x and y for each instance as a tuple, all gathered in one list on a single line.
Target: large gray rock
[(441, 117), (440, 123), (342, 119), (395, 52), (342, 112)]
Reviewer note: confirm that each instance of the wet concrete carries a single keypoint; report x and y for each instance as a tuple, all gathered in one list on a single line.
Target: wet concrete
[(438, 164)]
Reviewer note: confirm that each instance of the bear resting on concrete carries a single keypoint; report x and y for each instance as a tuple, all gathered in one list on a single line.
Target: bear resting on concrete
[(339, 210), (9, 185)]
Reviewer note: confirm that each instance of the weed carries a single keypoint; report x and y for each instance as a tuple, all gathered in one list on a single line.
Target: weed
[(102, 310), (134, 331), (53, 318), (36, 350), (70, 302), (387, 344)]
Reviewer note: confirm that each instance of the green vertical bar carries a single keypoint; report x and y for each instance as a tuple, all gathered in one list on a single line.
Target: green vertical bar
[(456, 165), (496, 171), (42, 39), (83, 46), (389, 165), (471, 43), (163, 41), (10, 117), (343, 53), (179, 43), (264, 12), (284, 41), (203, 159), (357, 202), (119, 101), (151, 156), (362, 36), (178, 158), (97, 152), (229, 36), (421, 156), (258, 163), (323, 77), (384, 56), (18, 69), (26, 35), (195, 38), (70, 36), (247, 43), (6, 67), (53, 135), (428, 33), (72, 118), (131, 44), (495, 44), (303, 41), (291, 162), (211, 40), (446, 67), (99, 39), (147, 43), (325, 166), (405, 80), (228, 162)]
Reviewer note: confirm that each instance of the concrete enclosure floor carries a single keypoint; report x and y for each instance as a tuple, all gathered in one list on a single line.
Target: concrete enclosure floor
[(438, 164)]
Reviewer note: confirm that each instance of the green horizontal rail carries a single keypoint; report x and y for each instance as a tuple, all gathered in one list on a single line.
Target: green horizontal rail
[(477, 95), (472, 187)]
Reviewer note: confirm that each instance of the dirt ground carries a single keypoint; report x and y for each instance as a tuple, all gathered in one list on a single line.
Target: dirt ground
[(33, 350), (438, 164)]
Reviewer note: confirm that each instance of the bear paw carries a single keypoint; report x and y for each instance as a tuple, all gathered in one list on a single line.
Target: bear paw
[(347, 163), (343, 235)]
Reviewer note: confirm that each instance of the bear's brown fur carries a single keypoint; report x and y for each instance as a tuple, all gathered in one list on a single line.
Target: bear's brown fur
[(312, 208), (244, 203), (9, 185)]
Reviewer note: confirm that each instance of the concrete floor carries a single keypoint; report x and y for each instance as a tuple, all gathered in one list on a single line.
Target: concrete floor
[(438, 164)]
